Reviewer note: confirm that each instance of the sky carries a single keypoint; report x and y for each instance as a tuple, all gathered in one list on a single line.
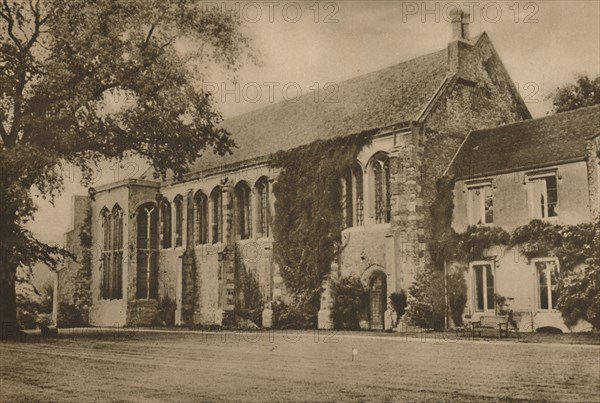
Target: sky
[(306, 45)]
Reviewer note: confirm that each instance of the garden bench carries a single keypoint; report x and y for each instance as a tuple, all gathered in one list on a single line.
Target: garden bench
[(490, 324), (507, 329)]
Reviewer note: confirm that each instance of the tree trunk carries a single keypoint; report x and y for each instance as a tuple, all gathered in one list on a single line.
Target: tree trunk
[(8, 300)]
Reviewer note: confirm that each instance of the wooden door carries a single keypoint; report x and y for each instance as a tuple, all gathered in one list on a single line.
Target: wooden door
[(377, 299)]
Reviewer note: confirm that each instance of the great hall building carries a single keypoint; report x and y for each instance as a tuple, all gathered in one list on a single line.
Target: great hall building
[(156, 239)]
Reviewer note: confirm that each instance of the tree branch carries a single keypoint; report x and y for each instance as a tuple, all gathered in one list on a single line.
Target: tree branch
[(37, 23), (11, 23), (3, 133), (147, 41)]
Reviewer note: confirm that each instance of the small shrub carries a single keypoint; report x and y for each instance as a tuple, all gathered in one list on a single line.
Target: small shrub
[(398, 302), (579, 297), (457, 295), (165, 313), (286, 316), (426, 305), (249, 304), (349, 299), (70, 315)]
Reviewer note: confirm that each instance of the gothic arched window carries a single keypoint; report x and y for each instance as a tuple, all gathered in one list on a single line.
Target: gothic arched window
[(200, 218), (111, 273), (348, 205), (380, 168), (105, 254), (357, 196), (178, 202), (116, 281), (353, 197), (262, 208), (147, 252), (216, 199), (165, 224), (243, 210)]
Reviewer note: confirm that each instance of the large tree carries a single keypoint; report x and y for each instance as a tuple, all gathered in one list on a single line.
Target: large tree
[(62, 63), (585, 92)]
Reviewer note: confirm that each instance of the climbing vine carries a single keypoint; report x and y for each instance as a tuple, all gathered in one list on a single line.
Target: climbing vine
[(571, 244), (309, 217), (473, 244), (248, 304), (443, 237), (427, 306), (76, 313), (575, 246)]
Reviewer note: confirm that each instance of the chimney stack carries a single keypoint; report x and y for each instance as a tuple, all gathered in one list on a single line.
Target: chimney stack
[(460, 24)]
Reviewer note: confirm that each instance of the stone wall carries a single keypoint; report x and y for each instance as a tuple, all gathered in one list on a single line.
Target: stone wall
[(480, 94), (139, 312), (511, 204), (109, 312), (516, 280)]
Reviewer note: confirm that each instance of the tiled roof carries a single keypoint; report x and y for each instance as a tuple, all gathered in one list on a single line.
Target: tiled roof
[(382, 98), (528, 144)]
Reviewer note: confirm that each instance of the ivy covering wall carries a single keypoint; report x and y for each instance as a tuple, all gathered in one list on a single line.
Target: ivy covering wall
[(577, 248), (309, 217), (76, 312)]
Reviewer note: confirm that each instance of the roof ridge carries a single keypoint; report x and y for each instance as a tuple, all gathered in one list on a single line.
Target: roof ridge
[(348, 80)]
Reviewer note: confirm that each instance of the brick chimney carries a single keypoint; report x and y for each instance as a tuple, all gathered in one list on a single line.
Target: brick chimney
[(460, 24)]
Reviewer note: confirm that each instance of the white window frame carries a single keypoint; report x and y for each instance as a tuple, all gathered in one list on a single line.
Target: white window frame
[(538, 302), (473, 285), (471, 187), (533, 205)]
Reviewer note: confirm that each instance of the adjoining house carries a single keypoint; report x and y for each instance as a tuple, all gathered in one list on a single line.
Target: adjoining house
[(546, 169), (154, 240)]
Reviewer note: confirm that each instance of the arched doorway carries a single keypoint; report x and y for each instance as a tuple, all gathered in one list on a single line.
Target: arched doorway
[(377, 300)]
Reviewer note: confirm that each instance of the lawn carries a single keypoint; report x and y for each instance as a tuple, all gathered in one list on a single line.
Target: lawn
[(293, 366)]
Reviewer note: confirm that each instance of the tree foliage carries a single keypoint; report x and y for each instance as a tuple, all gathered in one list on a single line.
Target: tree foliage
[(309, 217), (585, 92), (34, 306), (64, 63)]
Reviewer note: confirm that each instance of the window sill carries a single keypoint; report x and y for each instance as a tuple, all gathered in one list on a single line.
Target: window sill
[(367, 226), (254, 240), (555, 218), (487, 224)]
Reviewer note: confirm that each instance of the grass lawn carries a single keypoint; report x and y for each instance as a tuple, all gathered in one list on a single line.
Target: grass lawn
[(294, 366)]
